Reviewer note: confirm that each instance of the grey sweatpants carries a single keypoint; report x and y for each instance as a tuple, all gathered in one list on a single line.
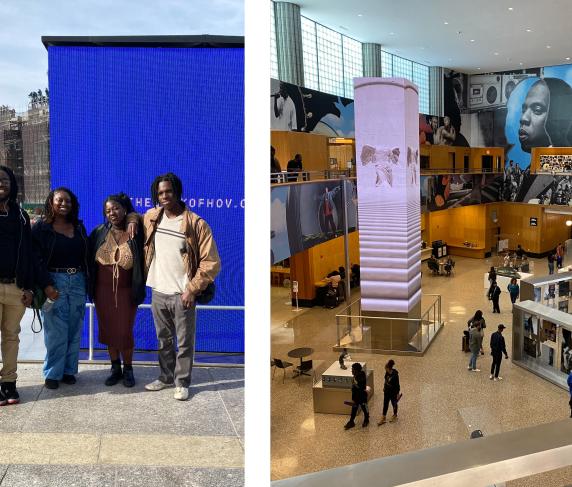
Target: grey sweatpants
[(172, 319)]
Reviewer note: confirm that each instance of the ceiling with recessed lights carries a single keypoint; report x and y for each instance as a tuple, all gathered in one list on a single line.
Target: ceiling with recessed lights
[(464, 35)]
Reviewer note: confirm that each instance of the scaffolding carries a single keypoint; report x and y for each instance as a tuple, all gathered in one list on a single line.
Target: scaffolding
[(11, 147), (36, 144)]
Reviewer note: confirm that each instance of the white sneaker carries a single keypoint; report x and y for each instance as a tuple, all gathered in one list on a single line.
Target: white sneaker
[(476, 370), (157, 385), (491, 377), (499, 377), (181, 393), (495, 379)]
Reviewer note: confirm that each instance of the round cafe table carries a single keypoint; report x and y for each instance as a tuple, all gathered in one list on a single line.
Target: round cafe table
[(301, 353)]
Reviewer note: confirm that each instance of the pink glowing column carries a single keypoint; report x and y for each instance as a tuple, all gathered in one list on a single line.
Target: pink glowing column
[(387, 149)]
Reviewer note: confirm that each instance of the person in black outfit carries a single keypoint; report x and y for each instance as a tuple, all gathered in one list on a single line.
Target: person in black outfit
[(391, 392), (294, 167), (492, 275), (494, 296), (16, 280), (359, 396), (274, 165), (519, 252), (498, 348)]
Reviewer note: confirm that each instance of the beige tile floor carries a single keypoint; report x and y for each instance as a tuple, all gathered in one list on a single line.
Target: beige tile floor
[(442, 401)]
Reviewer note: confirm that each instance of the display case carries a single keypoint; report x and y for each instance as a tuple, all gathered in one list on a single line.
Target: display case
[(552, 290), (542, 340)]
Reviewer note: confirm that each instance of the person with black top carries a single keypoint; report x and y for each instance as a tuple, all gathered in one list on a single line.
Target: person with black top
[(492, 275), (118, 283), (519, 252), (391, 392), (498, 348), (359, 396), (294, 167), (274, 165), (16, 280), (494, 295), (61, 246), (551, 259)]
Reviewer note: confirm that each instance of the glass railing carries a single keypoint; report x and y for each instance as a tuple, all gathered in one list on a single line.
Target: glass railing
[(304, 176), (360, 331)]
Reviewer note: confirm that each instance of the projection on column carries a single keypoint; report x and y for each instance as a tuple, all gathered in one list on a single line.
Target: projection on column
[(387, 144)]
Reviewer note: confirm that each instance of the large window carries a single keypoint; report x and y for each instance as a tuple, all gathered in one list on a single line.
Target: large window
[(398, 67), (273, 53), (331, 61)]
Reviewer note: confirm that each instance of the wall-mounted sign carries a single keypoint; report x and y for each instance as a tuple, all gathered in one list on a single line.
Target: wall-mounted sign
[(533, 222)]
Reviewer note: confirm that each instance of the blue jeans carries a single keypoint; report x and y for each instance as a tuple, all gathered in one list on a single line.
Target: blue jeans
[(63, 324), (473, 360)]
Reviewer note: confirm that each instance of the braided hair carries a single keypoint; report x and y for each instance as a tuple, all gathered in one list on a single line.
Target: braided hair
[(13, 195), (48, 213), (122, 200), (175, 183)]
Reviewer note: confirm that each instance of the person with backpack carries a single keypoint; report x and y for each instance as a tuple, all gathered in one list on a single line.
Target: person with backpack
[(477, 320), (359, 396), (391, 392), (494, 295)]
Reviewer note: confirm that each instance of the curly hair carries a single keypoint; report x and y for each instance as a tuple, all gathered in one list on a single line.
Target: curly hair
[(48, 213), (175, 183), (13, 195), (122, 200)]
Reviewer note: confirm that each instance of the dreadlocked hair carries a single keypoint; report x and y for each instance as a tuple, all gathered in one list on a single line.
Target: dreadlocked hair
[(122, 200), (13, 195), (175, 183), (48, 213)]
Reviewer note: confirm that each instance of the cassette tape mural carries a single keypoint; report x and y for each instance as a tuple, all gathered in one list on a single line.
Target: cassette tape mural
[(387, 150)]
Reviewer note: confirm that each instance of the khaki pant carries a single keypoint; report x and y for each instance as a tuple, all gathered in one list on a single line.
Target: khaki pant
[(11, 313)]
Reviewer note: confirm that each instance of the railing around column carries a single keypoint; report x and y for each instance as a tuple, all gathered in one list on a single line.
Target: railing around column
[(360, 331), (91, 316), (303, 176)]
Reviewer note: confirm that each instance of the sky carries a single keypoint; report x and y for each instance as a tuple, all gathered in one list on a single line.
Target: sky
[(24, 59)]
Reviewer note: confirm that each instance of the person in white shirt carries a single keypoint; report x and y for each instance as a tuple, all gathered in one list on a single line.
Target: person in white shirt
[(284, 110)]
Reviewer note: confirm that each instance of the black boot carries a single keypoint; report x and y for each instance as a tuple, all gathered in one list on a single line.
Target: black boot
[(365, 420), (116, 373), (128, 379), (10, 393)]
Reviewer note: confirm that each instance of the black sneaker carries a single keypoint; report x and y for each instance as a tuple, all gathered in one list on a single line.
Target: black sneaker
[(69, 379), (4, 400), (128, 378), (52, 383), (10, 392), (116, 374), (349, 424)]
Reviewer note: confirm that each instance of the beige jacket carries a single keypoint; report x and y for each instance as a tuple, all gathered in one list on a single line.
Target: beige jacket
[(202, 270)]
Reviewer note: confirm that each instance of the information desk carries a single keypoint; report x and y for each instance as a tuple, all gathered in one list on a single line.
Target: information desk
[(335, 386), (542, 341)]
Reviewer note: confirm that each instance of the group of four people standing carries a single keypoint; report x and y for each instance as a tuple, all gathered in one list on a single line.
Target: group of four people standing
[(172, 250)]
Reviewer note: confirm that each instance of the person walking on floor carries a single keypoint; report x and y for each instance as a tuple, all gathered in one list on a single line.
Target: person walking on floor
[(16, 280), (513, 289), (494, 296), (181, 260), (559, 255), (498, 348), (551, 258), (391, 392), (475, 345), (492, 276), (359, 396)]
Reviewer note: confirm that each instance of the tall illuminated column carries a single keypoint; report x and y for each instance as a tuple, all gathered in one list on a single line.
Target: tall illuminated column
[(387, 149)]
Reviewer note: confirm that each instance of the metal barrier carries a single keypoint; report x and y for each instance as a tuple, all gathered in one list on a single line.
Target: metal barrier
[(305, 176), (91, 316), (354, 330)]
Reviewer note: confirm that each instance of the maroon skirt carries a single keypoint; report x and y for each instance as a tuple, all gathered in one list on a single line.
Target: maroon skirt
[(115, 317)]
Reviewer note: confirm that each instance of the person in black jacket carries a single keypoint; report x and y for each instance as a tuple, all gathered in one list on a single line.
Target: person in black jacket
[(62, 252), (16, 280), (391, 392), (494, 296), (118, 284), (359, 396), (498, 347)]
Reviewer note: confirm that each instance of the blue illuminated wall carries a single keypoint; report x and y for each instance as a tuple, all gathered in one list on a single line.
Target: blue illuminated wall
[(119, 116)]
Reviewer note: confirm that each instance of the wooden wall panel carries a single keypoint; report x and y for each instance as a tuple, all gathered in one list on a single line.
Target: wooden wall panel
[(343, 153), (312, 147)]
